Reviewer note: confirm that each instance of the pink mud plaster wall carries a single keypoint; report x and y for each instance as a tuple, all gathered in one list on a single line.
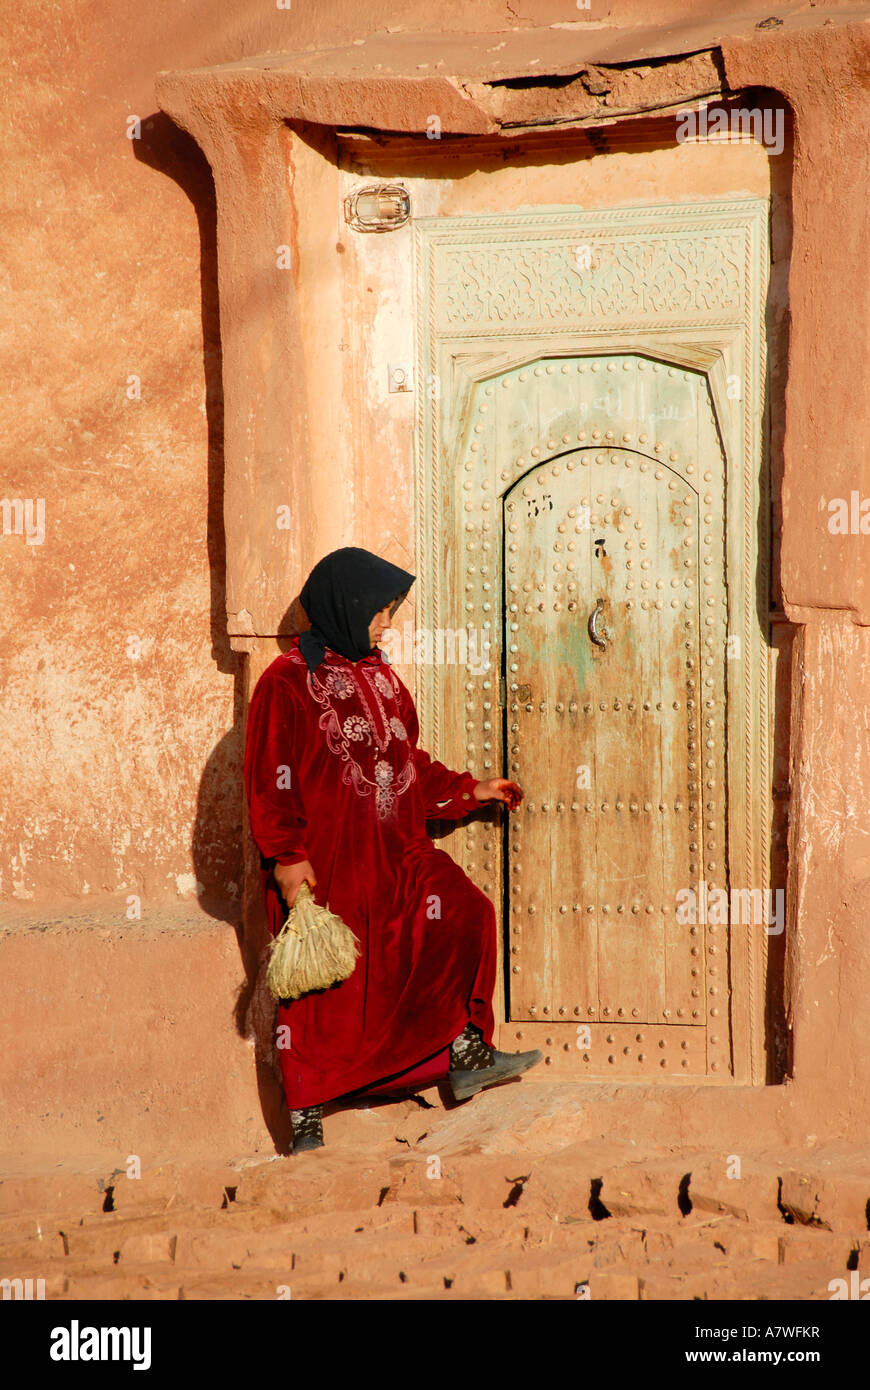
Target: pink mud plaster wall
[(825, 576), (119, 691), (121, 769), (122, 701)]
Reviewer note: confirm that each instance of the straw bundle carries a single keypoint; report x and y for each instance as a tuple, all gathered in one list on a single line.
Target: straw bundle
[(313, 950)]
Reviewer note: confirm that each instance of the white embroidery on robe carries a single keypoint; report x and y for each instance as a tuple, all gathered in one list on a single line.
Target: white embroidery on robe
[(340, 684), (385, 686), (387, 784), (385, 797)]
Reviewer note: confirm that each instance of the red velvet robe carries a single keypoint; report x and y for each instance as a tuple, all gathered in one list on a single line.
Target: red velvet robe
[(345, 737)]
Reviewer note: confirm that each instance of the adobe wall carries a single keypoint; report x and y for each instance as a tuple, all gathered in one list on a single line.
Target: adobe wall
[(121, 767), (122, 770), (123, 698)]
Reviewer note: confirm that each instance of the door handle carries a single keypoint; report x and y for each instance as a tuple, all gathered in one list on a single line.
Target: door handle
[(596, 617)]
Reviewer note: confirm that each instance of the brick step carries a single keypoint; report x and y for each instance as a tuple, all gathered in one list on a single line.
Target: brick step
[(534, 1265), (421, 1225), (114, 1234), (574, 1182)]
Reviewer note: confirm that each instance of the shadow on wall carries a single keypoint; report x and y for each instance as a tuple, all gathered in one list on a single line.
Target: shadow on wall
[(239, 900), (216, 843), (221, 848), (255, 1011)]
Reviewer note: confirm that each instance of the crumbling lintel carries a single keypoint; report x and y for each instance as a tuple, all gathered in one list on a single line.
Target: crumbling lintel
[(408, 104), (600, 91)]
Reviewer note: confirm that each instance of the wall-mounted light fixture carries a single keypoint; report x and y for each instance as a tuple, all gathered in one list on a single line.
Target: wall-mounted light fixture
[(378, 207), (400, 376)]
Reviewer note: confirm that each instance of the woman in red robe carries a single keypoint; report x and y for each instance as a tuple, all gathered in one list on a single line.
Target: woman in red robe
[(339, 794)]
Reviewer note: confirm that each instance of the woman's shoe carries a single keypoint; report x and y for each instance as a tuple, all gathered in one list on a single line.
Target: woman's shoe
[(504, 1065), (307, 1128), (475, 1065)]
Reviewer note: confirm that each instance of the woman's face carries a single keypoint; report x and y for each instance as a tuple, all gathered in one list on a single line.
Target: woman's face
[(379, 624)]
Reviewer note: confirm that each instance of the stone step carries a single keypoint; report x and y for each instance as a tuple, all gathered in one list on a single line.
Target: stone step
[(579, 1222)]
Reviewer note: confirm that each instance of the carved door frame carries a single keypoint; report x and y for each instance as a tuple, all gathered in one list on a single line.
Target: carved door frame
[(683, 283)]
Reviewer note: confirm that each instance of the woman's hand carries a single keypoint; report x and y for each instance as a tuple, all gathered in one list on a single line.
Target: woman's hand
[(289, 878), (500, 789)]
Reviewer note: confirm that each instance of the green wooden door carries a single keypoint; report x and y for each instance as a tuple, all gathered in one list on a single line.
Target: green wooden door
[(636, 382), (603, 630), (614, 652)]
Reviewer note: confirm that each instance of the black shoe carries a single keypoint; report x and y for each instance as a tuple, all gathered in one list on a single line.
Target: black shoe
[(504, 1065), (307, 1129)]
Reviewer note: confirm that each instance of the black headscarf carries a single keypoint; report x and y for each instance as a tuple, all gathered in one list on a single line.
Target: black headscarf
[(341, 595)]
